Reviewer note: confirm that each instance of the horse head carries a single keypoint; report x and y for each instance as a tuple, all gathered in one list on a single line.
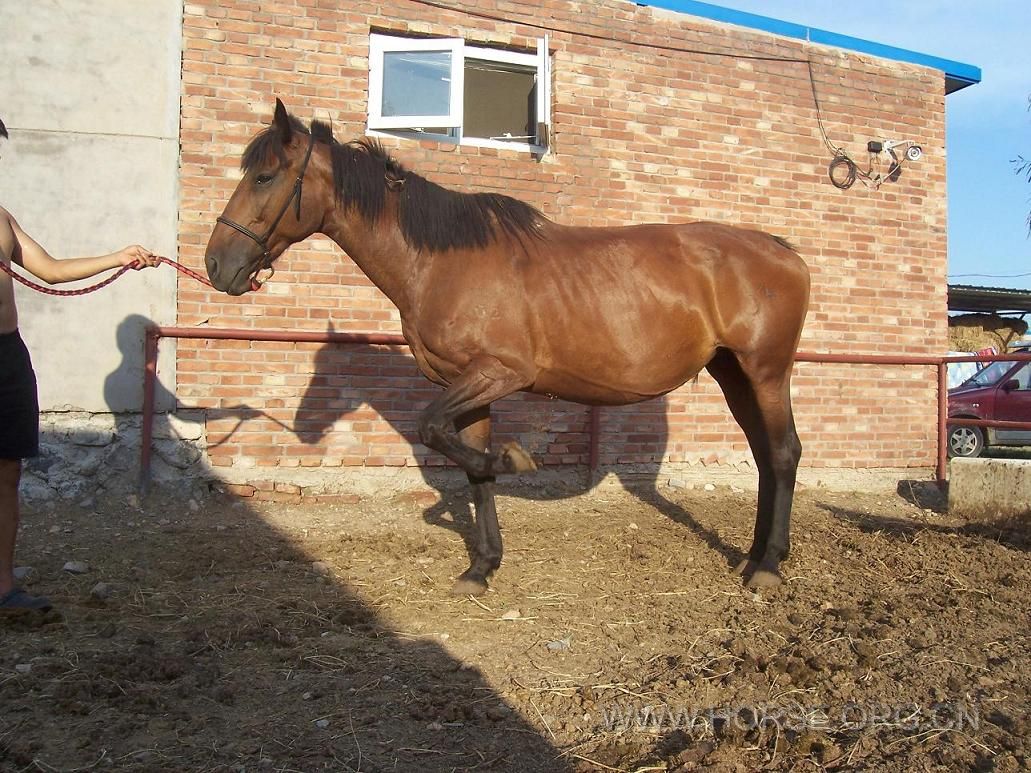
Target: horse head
[(278, 202)]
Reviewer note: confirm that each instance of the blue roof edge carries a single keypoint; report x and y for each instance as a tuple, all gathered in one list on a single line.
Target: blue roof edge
[(957, 74)]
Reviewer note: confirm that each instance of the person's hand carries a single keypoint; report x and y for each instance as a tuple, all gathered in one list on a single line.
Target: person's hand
[(137, 257)]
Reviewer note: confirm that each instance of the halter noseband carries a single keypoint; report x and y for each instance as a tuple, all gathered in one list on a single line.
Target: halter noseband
[(295, 198)]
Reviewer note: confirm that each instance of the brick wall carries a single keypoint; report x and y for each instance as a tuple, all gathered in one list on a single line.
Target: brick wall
[(640, 134)]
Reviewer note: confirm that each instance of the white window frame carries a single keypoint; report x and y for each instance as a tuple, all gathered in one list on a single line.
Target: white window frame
[(411, 126), (382, 44)]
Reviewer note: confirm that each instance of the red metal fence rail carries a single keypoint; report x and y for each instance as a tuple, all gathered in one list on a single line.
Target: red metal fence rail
[(155, 333)]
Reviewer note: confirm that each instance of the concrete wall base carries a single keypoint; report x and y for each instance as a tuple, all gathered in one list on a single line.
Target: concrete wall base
[(85, 455), (991, 490)]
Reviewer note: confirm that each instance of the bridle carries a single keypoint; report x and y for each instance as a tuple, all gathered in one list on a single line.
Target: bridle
[(295, 199)]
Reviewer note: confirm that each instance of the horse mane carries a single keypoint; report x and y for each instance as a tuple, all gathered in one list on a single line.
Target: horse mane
[(784, 243), (432, 218)]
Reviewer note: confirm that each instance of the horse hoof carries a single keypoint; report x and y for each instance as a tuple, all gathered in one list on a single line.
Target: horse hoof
[(516, 459), (465, 586), (746, 568), (763, 578)]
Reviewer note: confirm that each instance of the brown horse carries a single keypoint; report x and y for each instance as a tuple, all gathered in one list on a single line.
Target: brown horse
[(495, 298)]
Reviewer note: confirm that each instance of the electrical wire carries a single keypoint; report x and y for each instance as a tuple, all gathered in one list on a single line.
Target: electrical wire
[(841, 156), (606, 38), (842, 159)]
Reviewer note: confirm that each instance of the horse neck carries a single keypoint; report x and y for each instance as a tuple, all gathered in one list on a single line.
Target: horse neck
[(379, 250)]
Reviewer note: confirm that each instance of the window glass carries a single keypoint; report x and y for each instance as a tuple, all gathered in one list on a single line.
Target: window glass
[(416, 83), (991, 374), (1023, 376), (490, 97)]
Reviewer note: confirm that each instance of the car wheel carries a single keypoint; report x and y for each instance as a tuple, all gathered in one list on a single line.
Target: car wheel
[(966, 442)]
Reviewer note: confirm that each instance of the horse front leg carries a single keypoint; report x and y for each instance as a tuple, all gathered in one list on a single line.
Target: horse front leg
[(474, 430), (485, 380), (465, 404)]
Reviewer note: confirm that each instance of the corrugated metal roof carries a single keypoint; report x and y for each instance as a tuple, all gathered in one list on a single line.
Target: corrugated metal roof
[(989, 299), (957, 74)]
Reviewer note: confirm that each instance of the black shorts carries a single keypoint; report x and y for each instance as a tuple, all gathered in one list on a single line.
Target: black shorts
[(19, 404)]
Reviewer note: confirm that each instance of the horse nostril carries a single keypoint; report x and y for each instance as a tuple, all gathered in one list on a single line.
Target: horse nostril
[(211, 264)]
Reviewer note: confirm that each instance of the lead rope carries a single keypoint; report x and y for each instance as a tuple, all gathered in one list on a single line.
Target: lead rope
[(83, 290)]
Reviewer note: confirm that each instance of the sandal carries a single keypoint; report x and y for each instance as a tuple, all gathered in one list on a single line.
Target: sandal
[(17, 600)]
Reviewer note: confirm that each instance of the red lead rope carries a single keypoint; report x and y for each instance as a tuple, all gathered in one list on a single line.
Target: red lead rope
[(82, 291)]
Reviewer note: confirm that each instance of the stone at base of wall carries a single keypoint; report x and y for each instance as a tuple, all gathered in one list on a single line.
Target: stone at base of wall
[(86, 455)]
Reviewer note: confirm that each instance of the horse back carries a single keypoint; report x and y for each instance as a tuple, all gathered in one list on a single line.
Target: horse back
[(722, 271)]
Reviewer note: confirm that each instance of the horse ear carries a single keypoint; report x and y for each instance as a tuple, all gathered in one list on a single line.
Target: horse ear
[(281, 122)]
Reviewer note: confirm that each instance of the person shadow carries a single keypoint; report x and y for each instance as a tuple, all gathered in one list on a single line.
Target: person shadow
[(360, 388), (178, 430), (107, 450)]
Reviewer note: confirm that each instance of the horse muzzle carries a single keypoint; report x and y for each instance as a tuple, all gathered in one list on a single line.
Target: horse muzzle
[(227, 280)]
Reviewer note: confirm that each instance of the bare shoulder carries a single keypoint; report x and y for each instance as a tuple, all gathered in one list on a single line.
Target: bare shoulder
[(7, 221), (8, 239)]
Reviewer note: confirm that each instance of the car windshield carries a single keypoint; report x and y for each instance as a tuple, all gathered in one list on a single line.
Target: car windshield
[(991, 374)]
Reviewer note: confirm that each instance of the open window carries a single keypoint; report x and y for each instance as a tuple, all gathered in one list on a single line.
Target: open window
[(442, 87)]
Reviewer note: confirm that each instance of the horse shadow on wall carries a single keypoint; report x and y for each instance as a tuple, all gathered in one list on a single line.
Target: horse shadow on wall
[(361, 388)]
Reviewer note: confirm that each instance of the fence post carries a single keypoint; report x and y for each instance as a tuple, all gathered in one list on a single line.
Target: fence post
[(943, 410), (150, 372)]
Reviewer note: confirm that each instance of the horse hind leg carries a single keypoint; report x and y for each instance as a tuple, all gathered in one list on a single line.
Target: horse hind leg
[(474, 430), (759, 397)]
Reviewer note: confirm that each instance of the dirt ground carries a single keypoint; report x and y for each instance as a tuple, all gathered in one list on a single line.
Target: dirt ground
[(228, 635)]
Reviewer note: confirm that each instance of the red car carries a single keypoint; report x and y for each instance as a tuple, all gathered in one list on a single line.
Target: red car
[(999, 392)]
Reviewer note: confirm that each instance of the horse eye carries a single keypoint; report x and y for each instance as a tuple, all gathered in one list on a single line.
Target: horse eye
[(263, 179)]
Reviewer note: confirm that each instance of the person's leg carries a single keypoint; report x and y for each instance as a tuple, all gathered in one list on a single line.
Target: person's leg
[(10, 474), (19, 439), (12, 598)]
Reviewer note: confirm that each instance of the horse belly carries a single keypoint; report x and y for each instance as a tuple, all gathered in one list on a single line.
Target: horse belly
[(635, 360)]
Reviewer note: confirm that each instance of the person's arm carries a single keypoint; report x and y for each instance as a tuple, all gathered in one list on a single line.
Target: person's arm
[(31, 256)]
